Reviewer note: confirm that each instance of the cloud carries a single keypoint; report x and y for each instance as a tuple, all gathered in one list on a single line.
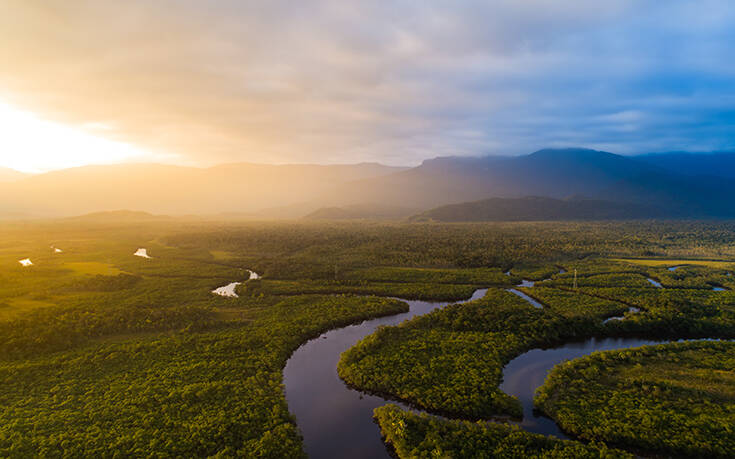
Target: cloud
[(334, 81)]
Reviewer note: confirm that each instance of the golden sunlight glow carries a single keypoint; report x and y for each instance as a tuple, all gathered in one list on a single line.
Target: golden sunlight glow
[(31, 144)]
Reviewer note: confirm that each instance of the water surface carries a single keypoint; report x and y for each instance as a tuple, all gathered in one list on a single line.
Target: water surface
[(527, 372), (533, 302), (631, 309), (229, 289), (142, 253), (655, 283), (336, 421)]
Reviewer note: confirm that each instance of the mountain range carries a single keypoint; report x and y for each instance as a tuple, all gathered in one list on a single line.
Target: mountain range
[(243, 188), (676, 185), (557, 174), (537, 208)]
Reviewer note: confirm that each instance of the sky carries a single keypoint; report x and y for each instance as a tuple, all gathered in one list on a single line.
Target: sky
[(203, 83)]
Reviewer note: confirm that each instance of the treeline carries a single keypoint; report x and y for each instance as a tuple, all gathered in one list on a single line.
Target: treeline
[(406, 290), (311, 250), (423, 436)]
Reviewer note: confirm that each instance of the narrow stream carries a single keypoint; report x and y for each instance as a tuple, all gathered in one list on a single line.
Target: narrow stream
[(631, 310), (533, 302), (655, 283)]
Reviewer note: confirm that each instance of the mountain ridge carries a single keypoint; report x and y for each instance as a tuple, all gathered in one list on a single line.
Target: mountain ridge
[(297, 190), (538, 208)]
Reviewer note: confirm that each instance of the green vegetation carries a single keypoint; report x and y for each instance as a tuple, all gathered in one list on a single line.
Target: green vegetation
[(475, 276), (676, 399), (93, 267), (535, 273), (406, 290), (601, 280), (450, 361), (572, 304), (105, 353), (422, 436), (657, 262), (188, 394)]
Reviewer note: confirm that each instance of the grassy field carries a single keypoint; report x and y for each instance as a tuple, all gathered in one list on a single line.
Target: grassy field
[(657, 262)]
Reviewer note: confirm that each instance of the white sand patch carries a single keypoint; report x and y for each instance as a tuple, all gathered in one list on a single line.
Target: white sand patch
[(25, 262)]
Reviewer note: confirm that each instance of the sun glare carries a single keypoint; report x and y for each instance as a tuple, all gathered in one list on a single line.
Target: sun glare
[(31, 144)]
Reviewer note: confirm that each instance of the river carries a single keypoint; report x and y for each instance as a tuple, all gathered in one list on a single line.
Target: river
[(337, 421)]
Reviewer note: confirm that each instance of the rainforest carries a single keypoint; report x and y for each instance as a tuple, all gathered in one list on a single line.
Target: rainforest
[(365, 230), (105, 352)]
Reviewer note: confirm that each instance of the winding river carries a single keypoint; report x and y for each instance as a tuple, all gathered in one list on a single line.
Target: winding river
[(527, 372), (337, 421)]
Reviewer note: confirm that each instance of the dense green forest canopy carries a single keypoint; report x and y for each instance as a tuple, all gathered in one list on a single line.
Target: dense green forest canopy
[(103, 352), (678, 398)]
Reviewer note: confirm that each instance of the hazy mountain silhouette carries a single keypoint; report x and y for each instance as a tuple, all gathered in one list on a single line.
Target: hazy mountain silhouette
[(675, 187), (361, 211), (170, 189), (555, 173), (118, 216), (716, 164), (551, 173), (535, 208)]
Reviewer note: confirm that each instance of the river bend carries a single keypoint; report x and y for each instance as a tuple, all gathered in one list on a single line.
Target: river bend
[(337, 421)]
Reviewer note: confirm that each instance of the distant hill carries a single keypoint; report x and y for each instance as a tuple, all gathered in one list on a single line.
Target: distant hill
[(554, 173), (677, 185), (175, 190), (534, 208), (11, 175), (118, 216), (715, 164), (361, 211)]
